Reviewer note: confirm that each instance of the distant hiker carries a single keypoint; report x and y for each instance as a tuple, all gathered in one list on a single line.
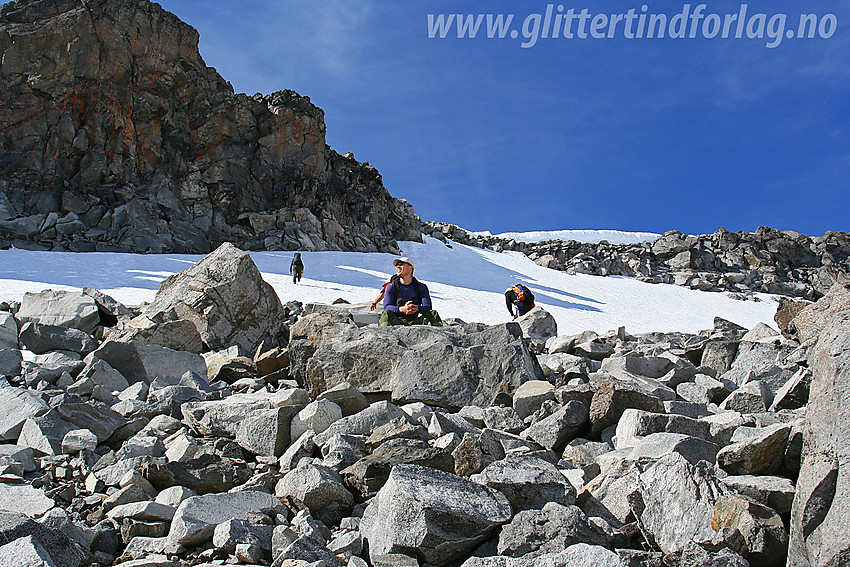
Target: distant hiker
[(296, 268), (519, 300), (380, 297), (406, 300)]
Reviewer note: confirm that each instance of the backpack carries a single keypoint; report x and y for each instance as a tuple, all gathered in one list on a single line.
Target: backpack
[(523, 294), (402, 300)]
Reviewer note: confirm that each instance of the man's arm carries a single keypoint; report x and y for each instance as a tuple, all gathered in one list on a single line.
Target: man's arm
[(389, 299), (425, 304), (509, 300)]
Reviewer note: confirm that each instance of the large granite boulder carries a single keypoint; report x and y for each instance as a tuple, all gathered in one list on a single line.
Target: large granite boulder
[(441, 515), (226, 298), (450, 366), (665, 489)]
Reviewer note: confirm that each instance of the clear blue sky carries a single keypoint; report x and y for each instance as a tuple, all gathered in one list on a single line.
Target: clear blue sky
[(629, 134)]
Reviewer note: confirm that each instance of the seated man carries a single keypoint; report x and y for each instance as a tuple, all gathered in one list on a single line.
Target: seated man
[(407, 301), (519, 300)]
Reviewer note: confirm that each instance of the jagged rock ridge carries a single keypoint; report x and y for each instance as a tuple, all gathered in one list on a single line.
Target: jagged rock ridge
[(768, 260), (117, 136)]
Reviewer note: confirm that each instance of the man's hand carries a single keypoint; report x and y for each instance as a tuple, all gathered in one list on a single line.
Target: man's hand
[(409, 308)]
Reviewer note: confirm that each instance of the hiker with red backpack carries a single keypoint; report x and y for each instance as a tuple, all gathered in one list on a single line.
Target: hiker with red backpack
[(519, 300), (407, 300)]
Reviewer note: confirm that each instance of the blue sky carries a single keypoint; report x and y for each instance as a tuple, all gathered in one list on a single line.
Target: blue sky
[(628, 134)]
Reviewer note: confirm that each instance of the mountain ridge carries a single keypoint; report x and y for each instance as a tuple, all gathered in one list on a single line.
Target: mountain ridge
[(117, 136)]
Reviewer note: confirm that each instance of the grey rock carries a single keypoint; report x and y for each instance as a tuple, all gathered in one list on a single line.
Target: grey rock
[(45, 432), (225, 296), (24, 499), (349, 399), (755, 450), (635, 424), (102, 374), (530, 396), (26, 551), (141, 547), (139, 362), (207, 473), (300, 448), (503, 419), (142, 511), (719, 353), (752, 397), (320, 489), (666, 488), (308, 551), (560, 344), (266, 433), (362, 423), (555, 431), (593, 350), (775, 492), (107, 304), (551, 529), (92, 415), (527, 481), (765, 538), (62, 550), (657, 445), (129, 495), (61, 308), (441, 515), (22, 456), (196, 518), (451, 366), (394, 560), (318, 416), (16, 406), (227, 535), (794, 394), (10, 362), (78, 440), (610, 490), (817, 317), (445, 423), (180, 334), (370, 473), (614, 397), (694, 555), (669, 370), (40, 339), (8, 331), (582, 452), (763, 360), (174, 496), (538, 326), (222, 418)]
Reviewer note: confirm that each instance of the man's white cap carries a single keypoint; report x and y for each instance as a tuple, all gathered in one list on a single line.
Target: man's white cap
[(402, 260)]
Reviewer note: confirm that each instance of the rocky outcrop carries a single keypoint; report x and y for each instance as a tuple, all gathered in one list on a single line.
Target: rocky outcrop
[(449, 366), (117, 137), (631, 450), (823, 497), (768, 260)]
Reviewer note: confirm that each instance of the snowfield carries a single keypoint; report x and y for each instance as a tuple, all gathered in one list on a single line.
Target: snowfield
[(465, 282)]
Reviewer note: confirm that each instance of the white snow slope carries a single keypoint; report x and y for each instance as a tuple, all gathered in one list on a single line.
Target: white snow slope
[(465, 282)]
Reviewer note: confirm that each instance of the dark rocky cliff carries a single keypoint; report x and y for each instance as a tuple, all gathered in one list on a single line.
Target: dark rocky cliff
[(115, 135)]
